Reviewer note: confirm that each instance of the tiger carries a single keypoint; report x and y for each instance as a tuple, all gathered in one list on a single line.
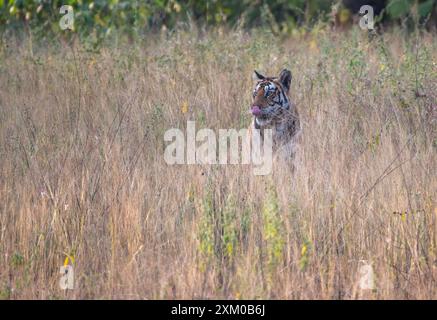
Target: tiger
[(272, 109)]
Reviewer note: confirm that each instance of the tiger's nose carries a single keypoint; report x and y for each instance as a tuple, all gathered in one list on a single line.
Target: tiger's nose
[(256, 111)]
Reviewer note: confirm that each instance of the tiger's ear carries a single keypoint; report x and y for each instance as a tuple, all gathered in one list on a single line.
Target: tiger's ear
[(285, 79), (257, 76)]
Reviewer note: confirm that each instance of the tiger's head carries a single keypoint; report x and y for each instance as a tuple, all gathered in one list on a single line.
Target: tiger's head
[(270, 97)]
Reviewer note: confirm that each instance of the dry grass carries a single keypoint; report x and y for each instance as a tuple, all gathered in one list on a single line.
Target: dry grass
[(82, 170)]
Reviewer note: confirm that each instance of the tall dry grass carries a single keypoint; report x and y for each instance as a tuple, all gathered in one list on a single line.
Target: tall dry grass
[(82, 170)]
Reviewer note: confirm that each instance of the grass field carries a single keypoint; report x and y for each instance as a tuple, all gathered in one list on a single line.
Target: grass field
[(82, 171)]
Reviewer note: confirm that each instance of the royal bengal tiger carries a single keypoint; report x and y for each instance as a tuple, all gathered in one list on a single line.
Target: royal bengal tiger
[(272, 109)]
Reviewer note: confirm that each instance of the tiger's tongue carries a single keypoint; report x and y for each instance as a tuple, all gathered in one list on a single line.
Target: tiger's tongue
[(256, 111)]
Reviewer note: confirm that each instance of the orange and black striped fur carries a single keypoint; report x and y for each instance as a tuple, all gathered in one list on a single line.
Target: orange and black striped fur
[(273, 109)]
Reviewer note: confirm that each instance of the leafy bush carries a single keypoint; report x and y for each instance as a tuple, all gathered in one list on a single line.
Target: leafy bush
[(133, 18)]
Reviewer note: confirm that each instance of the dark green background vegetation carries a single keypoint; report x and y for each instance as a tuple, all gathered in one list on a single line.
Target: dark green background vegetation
[(102, 17)]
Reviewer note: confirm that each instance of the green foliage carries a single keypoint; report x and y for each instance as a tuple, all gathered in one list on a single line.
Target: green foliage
[(425, 8), (99, 19), (399, 8), (230, 232), (273, 232), (304, 255), (218, 231), (206, 228), (5, 293), (17, 260)]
